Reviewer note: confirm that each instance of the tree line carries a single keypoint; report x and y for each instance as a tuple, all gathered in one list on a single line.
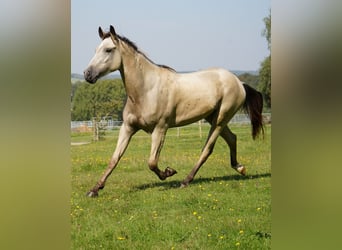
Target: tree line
[(95, 101), (265, 69)]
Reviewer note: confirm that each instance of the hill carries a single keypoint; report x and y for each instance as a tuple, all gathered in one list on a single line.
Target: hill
[(75, 77)]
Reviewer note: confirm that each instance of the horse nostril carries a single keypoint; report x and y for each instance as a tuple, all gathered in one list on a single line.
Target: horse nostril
[(86, 73)]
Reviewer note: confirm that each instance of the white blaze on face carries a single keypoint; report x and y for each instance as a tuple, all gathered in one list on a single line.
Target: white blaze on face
[(106, 59)]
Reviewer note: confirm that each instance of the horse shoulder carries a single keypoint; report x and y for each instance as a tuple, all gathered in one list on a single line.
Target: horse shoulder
[(130, 113)]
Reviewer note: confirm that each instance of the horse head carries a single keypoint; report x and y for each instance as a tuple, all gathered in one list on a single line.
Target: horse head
[(107, 57)]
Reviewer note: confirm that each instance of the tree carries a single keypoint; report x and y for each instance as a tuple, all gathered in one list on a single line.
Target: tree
[(251, 80), (267, 31), (265, 69), (96, 102), (80, 105), (265, 80), (105, 98)]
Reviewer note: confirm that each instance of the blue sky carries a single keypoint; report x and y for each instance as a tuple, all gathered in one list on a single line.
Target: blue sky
[(186, 35)]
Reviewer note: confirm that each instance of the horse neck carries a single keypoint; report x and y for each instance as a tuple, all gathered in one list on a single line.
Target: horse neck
[(135, 71)]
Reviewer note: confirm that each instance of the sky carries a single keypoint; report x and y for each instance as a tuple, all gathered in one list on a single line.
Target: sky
[(187, 35)]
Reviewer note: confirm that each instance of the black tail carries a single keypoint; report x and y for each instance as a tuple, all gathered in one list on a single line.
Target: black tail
[(253, 107)]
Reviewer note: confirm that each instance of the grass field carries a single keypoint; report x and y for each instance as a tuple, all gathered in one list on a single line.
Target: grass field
[(219, 210)]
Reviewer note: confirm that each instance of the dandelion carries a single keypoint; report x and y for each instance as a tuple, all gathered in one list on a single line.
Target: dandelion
[(120, 238), (221, 237), (209, 195), (154, 214), (258, 209), (239, 220), (209, 235), (237, 244), (241, 232), (194, 213)]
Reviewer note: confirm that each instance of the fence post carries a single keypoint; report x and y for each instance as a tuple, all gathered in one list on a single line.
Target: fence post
[(95, 130)]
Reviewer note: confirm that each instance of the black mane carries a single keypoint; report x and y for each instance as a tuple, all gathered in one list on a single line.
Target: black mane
[(136, 49)]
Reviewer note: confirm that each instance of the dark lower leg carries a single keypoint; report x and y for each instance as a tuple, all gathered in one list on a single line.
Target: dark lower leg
[(194, 171), (230, 139), (168, 172), (206, 152), (158, 137), (94, 192), (101, 184), (125, 135)]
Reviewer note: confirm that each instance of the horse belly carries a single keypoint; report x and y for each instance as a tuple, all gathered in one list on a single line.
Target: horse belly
[(194, 108)]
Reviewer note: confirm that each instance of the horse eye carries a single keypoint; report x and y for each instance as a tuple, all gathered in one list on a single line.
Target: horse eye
[(109, 50)]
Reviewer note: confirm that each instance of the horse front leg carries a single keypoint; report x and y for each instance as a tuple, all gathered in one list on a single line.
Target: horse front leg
[(125, 135), (158, 137)]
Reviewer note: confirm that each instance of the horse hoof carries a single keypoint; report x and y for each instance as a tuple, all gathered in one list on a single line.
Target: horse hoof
[(184, 185), (92, 194), (240, 169), (169, 171)]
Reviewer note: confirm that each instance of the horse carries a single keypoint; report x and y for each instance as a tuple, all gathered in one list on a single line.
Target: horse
[(159, 98)]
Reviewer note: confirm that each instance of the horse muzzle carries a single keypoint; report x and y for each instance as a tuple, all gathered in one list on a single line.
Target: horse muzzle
[(90, 75)]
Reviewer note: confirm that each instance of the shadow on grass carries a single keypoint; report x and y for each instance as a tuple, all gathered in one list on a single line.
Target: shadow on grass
[(197, 181)]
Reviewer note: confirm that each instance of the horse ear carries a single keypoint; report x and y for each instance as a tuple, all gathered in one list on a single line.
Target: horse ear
[(101, 33), (112, 30), (112, 33)]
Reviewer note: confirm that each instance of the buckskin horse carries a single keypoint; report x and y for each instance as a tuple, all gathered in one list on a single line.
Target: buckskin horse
[(159, 98)]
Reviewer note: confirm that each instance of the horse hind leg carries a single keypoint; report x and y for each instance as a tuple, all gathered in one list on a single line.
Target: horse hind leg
[(230, 139), (207, 150)]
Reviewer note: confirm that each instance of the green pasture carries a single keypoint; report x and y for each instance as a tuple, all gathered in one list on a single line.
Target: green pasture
[(219, 210)]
